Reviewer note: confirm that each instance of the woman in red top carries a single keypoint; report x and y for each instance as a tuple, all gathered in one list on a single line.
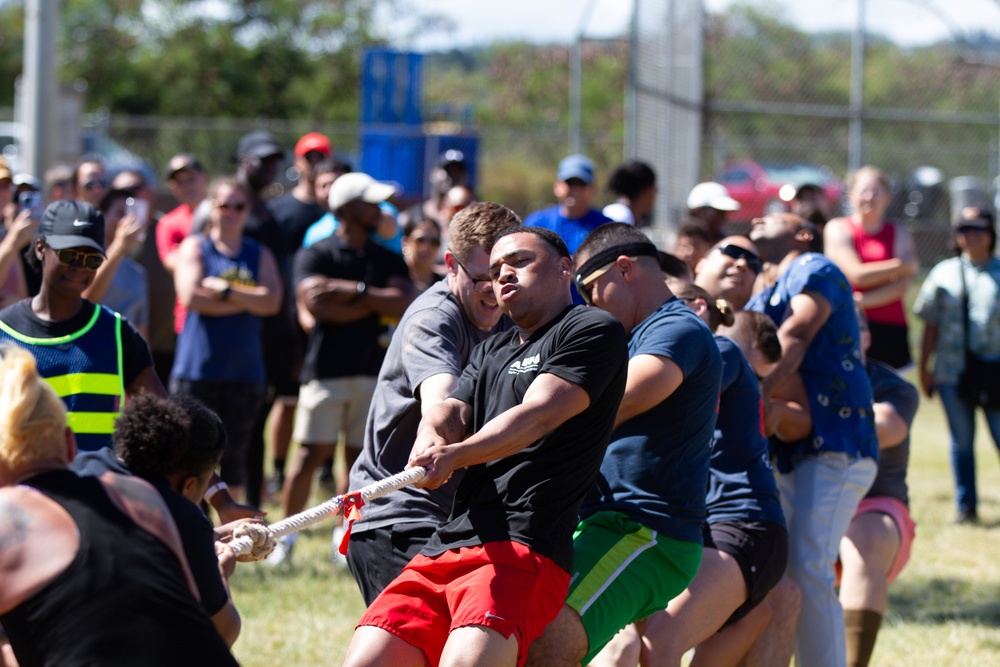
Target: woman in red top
[(879, 258)]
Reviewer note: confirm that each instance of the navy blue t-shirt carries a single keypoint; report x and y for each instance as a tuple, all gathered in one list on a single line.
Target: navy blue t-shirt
[(889, 387), (656, 467), (741, 484)]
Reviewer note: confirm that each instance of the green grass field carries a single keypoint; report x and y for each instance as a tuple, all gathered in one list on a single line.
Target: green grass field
[(944, 609)]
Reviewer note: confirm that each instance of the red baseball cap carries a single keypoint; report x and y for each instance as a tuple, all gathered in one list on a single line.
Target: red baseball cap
[(314, 141)]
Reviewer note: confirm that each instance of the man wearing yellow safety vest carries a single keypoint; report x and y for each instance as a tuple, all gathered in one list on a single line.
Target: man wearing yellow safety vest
[(90, 355)]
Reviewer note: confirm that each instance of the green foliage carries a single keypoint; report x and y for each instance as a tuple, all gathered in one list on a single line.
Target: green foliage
[(232, 58)]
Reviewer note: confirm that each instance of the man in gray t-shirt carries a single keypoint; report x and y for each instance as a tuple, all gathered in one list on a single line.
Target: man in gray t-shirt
[(429, 349)]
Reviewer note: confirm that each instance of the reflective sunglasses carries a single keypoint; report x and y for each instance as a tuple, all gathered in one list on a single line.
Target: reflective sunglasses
[(737, 253), (585, 283), (477, 283), (70, 257)]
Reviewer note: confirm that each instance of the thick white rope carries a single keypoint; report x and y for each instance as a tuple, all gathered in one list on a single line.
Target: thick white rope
[(332, 507)]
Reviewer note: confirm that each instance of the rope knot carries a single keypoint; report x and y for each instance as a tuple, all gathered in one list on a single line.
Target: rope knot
[(353, 502)]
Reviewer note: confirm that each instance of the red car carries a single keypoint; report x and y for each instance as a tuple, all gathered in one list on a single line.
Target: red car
[(768, 188)]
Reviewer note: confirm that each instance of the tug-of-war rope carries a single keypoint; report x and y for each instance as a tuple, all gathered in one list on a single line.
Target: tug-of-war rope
[(253, 541)]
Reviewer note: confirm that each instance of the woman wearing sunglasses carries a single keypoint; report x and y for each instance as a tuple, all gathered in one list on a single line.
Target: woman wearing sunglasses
[(91, 356), (959, 303), (228, 283)]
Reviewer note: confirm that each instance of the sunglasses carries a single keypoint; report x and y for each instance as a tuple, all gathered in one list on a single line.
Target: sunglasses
[(427, 240), (225, 206), (738, 253), (70, 257), (96, 183), (969, 229), (477, 283), (585, 283)]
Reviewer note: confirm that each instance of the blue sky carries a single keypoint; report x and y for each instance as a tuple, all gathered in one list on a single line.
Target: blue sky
[(910, 22)]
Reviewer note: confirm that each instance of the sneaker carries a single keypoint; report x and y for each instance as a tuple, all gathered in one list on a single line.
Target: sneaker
[(337, 558), (282, 553), (274, 485), (966, 517)]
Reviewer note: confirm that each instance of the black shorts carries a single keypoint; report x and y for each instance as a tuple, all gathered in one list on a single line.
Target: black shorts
[(761, 550), (377, 556), (890, 344)]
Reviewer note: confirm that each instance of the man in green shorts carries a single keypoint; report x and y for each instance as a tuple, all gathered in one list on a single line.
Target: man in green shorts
[(639, 543)]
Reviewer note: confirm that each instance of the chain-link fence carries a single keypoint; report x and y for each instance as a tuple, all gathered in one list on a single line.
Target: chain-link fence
[(666, 99), (742, 95), (784, 105)]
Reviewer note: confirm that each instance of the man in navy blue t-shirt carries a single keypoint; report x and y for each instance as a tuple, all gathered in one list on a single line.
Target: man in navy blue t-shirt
[(639, 541)]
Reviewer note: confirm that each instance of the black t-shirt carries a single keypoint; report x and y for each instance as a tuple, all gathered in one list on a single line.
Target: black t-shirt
[(533, 496), (135, 351), (352, 348), (124, 600), (262, 227), (294, 217), (197, 534)]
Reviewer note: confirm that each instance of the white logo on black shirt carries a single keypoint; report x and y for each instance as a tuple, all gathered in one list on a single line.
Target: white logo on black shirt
[(526, 365)]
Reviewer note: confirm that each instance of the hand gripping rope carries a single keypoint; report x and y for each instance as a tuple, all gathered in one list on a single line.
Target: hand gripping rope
[(333, 507)]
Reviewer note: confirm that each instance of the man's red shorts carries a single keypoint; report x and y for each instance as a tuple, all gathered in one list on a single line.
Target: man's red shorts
[(504, 586)]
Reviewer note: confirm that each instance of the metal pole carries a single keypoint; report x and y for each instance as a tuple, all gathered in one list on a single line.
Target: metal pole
[(632, 88), (854, 148), (575, 76), (41, 19), (576, 83)]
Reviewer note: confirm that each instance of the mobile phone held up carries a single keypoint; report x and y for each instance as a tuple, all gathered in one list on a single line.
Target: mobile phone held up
[(140, 209), (31, 201)]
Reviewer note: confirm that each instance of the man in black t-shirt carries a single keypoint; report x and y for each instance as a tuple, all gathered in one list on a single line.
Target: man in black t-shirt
[(352, 289), (530, 419)]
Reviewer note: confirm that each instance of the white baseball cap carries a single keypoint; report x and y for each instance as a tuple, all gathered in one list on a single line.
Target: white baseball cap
[(712, 195), (356, 185)]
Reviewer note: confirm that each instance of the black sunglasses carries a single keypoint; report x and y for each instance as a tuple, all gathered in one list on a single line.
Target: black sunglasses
[(96, 183), (69, 257), (239, 208), (737, 253), (969, 229), (429, 240)]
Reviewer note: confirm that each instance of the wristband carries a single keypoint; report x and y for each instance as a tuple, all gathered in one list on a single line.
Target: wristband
[(214, 489)]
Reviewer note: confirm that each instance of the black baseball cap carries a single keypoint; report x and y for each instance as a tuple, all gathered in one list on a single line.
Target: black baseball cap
[(259, 144), (451, 156), (72, 224)]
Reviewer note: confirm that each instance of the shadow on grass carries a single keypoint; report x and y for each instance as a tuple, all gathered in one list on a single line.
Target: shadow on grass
[(941, 600)]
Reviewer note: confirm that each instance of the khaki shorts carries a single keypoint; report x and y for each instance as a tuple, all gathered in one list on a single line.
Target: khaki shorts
[(328, 407)]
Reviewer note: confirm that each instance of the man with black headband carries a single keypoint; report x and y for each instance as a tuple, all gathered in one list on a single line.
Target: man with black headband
[(639, 542)]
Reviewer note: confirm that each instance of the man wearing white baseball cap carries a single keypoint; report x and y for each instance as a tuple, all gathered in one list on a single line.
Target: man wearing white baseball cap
[(708, 204), (350, 287)]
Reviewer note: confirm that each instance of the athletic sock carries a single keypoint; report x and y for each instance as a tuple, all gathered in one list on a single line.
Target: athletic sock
[(862, 630)]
